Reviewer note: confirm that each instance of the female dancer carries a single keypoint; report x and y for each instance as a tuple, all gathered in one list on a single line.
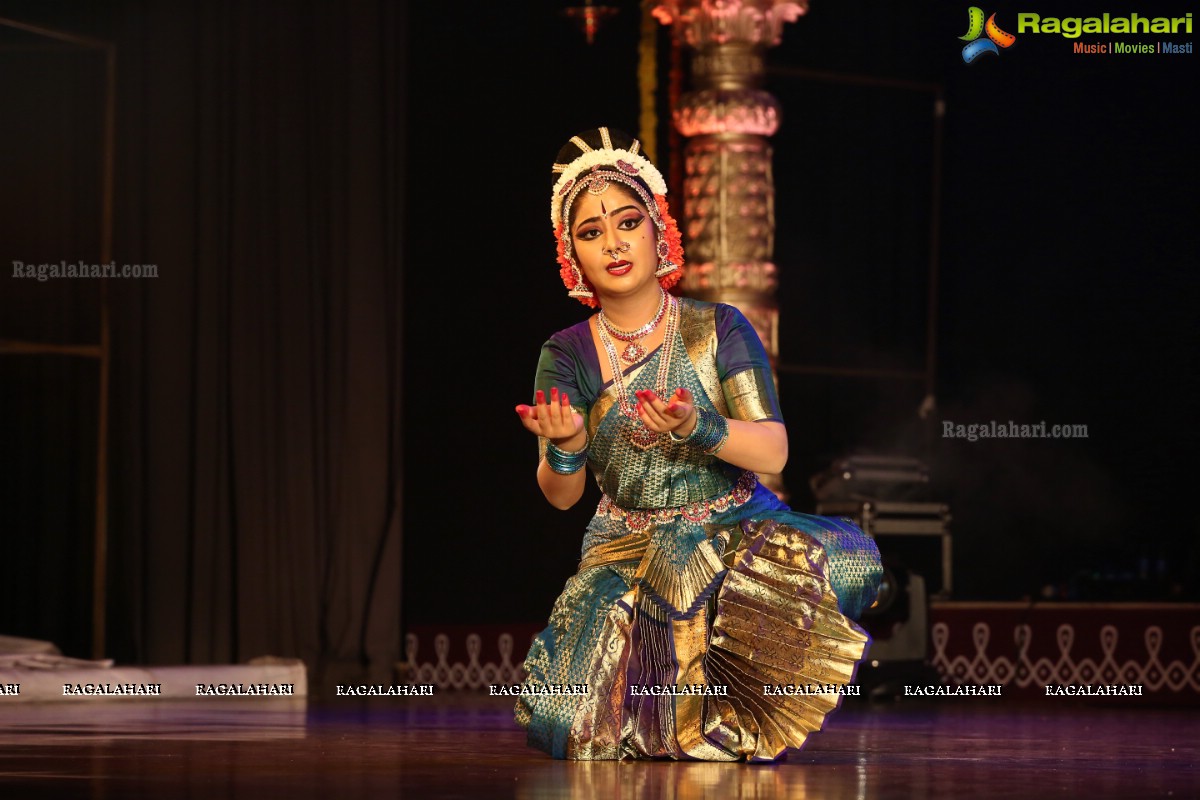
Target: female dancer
[(707, 619)]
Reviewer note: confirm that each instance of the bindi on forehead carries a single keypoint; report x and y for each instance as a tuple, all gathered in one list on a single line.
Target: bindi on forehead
[(595, 208)]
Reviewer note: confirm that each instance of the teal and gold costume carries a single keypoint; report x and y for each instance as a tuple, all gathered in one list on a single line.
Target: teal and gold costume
[(698, 591)]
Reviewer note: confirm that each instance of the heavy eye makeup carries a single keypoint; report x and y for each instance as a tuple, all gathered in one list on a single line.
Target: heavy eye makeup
[(630, 222), (627, 223)]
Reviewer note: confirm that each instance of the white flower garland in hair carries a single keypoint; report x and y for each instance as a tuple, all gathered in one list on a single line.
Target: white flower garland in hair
[(645, 170)]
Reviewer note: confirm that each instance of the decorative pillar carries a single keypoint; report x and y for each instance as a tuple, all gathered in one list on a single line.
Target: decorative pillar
[(728, 190)]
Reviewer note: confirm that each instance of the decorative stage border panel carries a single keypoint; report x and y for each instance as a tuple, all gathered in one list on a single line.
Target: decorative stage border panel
[(466, 657), (1024, 647), (1020, 646), (1023, 671)]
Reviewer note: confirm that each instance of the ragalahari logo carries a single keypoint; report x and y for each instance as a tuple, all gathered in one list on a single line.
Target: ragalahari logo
[(976, 27)]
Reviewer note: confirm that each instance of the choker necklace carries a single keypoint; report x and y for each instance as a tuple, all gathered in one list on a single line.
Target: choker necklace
[(642, 437), (634, 351)]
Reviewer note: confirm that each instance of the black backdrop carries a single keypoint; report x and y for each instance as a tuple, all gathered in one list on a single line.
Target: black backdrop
[(256, 432), (291, 167)]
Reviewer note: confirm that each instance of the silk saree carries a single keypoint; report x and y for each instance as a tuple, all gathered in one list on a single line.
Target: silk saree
[(700, 597)]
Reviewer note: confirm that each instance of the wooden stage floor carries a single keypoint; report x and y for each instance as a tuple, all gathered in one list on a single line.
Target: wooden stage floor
[(465, 746)]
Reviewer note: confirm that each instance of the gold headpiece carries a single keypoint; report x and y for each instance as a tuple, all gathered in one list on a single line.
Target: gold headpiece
[(630, 164)]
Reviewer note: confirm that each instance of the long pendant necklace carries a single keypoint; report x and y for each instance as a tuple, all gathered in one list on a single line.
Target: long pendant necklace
[(642, 437), (634, 351)]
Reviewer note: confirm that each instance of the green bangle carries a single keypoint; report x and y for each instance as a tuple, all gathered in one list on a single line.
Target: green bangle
[(677, 438), (565, 462), (710, 433)]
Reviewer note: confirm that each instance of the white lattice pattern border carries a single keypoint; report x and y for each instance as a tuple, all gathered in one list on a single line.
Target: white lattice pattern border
[(472, 675), (1023, 672)]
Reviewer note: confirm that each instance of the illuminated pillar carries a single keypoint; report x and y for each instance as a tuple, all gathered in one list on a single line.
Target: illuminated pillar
[(729, 191)]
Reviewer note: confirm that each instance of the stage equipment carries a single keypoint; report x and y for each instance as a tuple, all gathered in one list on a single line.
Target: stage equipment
[(885, 496), (916, 535), (899, 628), (899, 625), (864, 477)]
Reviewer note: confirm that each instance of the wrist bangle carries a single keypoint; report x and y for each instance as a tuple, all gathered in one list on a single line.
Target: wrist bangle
[(721, 435), (710, 433), (677, 438), (565, 462)]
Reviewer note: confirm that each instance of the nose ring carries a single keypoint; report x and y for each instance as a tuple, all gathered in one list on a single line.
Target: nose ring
[(622, 247)]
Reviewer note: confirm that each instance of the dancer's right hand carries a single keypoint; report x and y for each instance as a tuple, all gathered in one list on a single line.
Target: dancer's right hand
[(554, 419)]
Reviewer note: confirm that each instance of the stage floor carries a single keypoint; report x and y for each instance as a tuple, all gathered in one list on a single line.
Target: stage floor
[(466, 746)]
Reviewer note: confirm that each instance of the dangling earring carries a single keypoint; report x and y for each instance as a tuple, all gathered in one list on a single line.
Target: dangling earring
[(665, 265), (581, 289)]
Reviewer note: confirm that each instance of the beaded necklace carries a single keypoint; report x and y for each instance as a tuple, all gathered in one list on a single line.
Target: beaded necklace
[(634, 351), (643, 438)]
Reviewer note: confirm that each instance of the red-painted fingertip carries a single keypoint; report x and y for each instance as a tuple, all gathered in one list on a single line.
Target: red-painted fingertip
[(523, 411), (541, 396), (671, 409), (566, 401)]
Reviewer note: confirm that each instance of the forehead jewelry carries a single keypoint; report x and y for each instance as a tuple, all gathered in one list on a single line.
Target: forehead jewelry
[(574, 188), (612, 164)]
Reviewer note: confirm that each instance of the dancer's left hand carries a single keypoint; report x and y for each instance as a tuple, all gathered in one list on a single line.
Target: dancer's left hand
[(663, 416)]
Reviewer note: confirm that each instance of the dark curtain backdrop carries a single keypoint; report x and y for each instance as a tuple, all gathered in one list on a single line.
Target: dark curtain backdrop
[(49, 159), (256, 503)]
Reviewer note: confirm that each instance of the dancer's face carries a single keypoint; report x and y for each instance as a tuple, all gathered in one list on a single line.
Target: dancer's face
[(614, 241)]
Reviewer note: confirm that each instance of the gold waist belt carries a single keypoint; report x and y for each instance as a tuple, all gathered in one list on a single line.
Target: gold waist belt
[(639, 520), (678, 588)]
